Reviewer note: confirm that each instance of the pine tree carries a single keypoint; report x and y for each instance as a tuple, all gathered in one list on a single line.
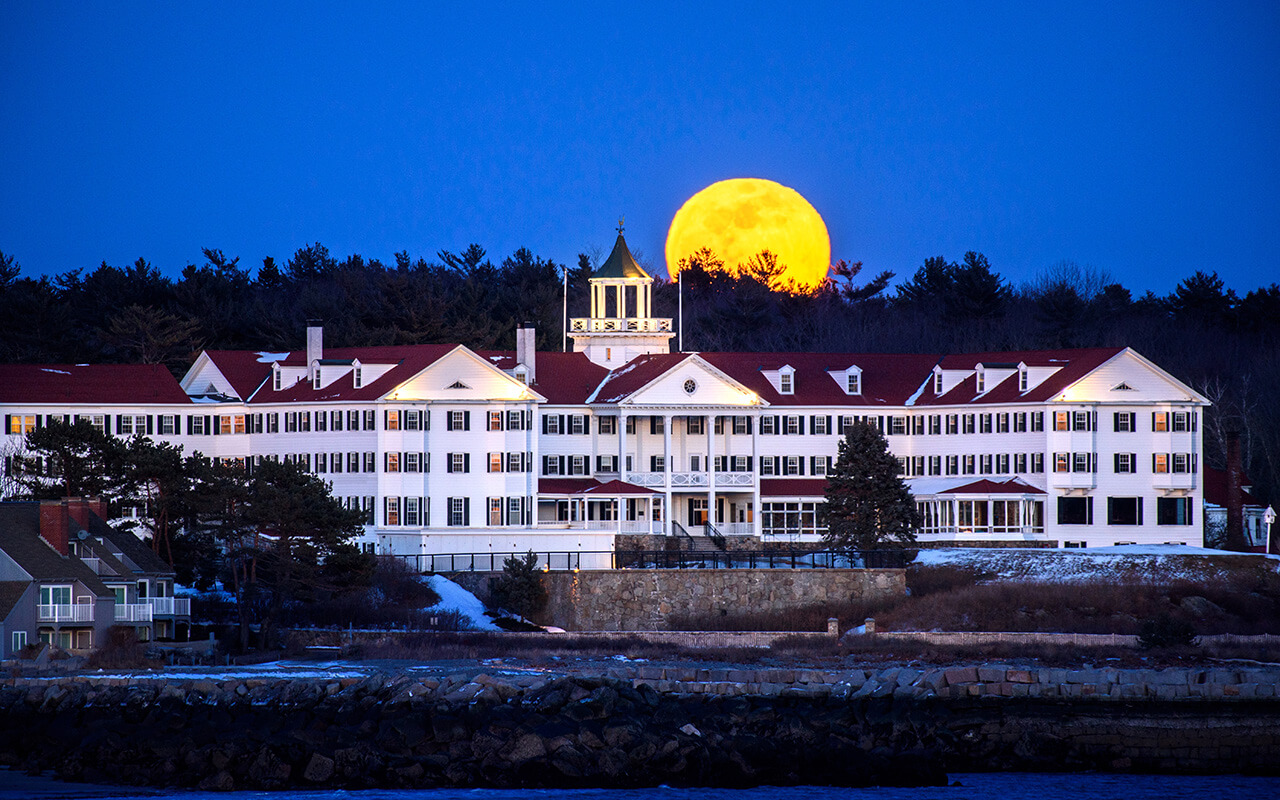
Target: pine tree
[(868, 504)]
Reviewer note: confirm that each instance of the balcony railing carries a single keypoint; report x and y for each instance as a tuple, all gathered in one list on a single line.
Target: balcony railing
[(94, 564), (619, 324), (65, 612), (170, 606), (735, 478), (683, 479), (626, 525), (133, 612)]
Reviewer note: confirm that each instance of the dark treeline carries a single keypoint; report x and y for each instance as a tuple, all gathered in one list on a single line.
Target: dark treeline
[(1224, 344)]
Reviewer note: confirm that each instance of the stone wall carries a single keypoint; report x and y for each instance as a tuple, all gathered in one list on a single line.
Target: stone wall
[(648, 599), (638, 725)]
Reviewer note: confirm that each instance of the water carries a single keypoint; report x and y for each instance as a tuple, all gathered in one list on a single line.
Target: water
[(981, 786)]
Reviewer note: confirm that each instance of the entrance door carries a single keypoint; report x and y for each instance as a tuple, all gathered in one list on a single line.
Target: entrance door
[(697, 511)]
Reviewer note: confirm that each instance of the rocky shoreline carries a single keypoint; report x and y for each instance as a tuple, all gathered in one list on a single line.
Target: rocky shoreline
[(637, 725)]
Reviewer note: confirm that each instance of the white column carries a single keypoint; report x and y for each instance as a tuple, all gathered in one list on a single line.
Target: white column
[(666, 467), (621, 311), (757, 513), (709, 422)]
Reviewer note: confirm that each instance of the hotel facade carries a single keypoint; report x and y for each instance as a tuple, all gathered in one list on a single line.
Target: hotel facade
[(454, 450)]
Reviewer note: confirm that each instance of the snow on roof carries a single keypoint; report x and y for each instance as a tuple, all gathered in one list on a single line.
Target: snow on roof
[(99, 384)]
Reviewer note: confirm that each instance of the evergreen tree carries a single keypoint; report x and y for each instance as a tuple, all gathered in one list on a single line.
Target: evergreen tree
[(868, 504), (520, 587)]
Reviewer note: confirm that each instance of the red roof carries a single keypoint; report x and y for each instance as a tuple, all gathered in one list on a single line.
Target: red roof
[(565, 486), (1073, 365), (92, 384), (562, 378), (635, 376), (409, 360), (617, 487), (887, 379), (987, 486), (793, 487), (1215, 488)]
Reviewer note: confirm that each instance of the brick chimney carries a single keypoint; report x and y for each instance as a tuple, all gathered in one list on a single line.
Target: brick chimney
[(54, 520), (81, 507), (526, 353), (1235, 495)]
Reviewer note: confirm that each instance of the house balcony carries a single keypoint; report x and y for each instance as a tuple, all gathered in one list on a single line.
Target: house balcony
[(681, 480), (133, 612), (65, 612), (94, 564), (625, 526), (170, 606), (619, 325)]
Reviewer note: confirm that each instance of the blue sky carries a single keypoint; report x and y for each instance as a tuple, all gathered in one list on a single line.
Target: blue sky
[(1139, 138)]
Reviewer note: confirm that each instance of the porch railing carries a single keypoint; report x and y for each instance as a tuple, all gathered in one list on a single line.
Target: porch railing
[(65, 612), (563, 561), (133, 612), (170, 606)]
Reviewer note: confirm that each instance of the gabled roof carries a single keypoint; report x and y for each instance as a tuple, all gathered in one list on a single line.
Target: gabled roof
[(620, 263), (987, 486), (616, 487), (133, 548), (565, 486), (562, 378), (637, 374), (20, 540), (1073, 365), (94, 384), (10, 593)]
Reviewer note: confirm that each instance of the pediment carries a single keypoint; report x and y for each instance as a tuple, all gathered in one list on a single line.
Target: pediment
[(462, 375), (693, 382)]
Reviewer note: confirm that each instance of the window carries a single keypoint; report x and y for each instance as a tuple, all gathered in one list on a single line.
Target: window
[(969, 423), (391, 514), (784, 383), (935, 465), (353, 462), (517, 463), (794, 425), (768, 465), (551, 465), (982, 381), (1002, 464), (740, 464), (515, 510), (551, 423), (578, 424), (1075, 545), (1075, 510), (276, 379), (697, 426), (657, 425), (1124, 422), (412, 420), (495, 420), (985, 464), (1037, 462), (937, 383), (578, 465), (495, 462), (768, 425), (1002, 423), (1022, 381), (853, 383), (953, 465), (1126, 462), (742, 425), (458, 421), (168, 424), (335, 420), (412, 506), (606, 463), (1181, 462), (458, 511), (608, 426), (1037, 421), (353, 421), (495, 511), (128, 424), (1082, 462), (1182, 422), (984, 423), (322, 462), (321, 418), (459, 462), (1173, 511), (935, 424), (370, 420), (791, 465), (1020, 462), (695, 463), (357, 377), (897, 425), (1160, 421), (1160, 463), (1082, 421), (370, 462), (953, 423), (970, 465), (819, 425), (657, 463), (1061, 421), (1124, 510), (19, 640), (335, 462), (1020, 422), (515, 420), (1061, 462), (392, 420), (392, 461)]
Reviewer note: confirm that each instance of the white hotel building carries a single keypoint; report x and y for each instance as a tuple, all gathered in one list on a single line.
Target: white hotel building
[(451, 450)]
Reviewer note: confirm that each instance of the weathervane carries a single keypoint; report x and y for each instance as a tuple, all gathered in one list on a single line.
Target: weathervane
[(620, 219)]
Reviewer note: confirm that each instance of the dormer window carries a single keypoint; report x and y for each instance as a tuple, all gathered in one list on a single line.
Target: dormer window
[(522, 375), (357, 378), (1023, 381), (785, 383), (276, 379), (937, 382), (982, 381), (315, 377), (853, 383)]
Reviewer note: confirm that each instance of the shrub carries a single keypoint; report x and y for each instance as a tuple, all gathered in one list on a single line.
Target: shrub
[(520, 587), (1165, 631)]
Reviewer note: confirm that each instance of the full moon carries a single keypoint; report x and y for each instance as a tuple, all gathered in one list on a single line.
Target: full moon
[(738, 218)]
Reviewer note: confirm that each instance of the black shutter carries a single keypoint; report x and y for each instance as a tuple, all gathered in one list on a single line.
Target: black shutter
[(8, 422), (563, 429), (1139, 510), (544, 424), (750, 424), (466, 511), (208, 426), (830, 429), (150, 424), (560, 461), (466, 462), (466, 420)]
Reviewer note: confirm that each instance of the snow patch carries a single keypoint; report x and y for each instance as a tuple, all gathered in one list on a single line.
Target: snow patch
[(454, 598), (270, 358), (911, 401), (55, 371), (1128, 563)]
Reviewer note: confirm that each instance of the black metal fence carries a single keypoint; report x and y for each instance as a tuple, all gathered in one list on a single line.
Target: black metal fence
[(663, 559)]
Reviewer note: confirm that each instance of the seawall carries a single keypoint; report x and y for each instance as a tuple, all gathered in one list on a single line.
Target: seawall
[(639, 724)]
